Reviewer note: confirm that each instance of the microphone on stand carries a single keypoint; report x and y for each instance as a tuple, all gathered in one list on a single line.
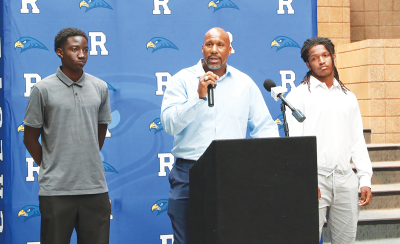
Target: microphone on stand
[(277, 92)]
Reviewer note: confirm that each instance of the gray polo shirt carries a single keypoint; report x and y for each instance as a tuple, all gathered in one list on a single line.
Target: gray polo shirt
[(69, 113)]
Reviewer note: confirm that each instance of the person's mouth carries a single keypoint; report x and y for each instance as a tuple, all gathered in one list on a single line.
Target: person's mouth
[(214, 59)]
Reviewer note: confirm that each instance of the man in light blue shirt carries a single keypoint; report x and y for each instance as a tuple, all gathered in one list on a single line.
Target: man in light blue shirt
[(186, 115)]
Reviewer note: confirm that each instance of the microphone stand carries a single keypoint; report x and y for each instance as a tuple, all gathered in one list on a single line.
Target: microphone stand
[(285, 124)]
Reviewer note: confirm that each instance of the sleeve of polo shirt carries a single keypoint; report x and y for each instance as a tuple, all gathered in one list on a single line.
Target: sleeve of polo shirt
[(105, 109), (178, 108), (295, 127), (359, 152), (34, 115), (260, 121)]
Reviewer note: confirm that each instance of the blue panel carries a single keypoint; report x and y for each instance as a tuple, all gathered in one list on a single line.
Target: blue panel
[(138, 143)]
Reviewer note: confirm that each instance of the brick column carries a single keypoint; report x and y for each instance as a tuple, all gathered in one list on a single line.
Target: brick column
[(334, 20), (371, 70)]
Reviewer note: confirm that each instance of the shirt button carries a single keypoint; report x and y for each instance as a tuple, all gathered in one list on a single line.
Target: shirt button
[(76, 94), (198, 103)]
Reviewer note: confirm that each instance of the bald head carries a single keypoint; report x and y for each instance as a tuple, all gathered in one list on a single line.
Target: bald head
[(216, 49), (217, 32)]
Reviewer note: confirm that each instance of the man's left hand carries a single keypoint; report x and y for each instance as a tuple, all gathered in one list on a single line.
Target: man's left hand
[(366, 196)]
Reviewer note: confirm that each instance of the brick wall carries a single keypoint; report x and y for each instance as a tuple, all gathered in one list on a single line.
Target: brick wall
[(374, 19), (334, 20), (371, 69)]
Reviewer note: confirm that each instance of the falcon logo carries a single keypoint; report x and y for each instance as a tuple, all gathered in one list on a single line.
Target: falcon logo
[(107, 167), (91, 4), (29, 211), (282, 42), (219, 4), (110, 87), (21, 128), (279, 121), (156, 126), (26, 43), (159, 43), (160, 206)]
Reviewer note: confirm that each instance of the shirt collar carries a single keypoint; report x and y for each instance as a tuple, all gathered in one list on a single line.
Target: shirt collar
[(200, 71), (314, 82), (67, 81)]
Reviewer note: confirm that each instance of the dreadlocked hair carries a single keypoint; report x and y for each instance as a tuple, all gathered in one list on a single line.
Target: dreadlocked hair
[(310, 43)]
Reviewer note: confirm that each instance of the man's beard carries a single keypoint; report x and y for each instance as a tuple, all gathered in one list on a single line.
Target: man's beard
[(214, 67)]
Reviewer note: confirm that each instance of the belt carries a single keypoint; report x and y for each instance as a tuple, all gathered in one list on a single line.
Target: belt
[(186, 161)]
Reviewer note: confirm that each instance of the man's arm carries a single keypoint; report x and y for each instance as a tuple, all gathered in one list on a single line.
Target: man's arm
[(178, 108), (261, 124), (102, 131), (360, 157), (31, 141)]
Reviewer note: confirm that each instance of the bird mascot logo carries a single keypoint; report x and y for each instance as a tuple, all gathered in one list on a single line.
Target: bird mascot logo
[(26, 43), (156, 126), (160, 206), (283, 41), (29, 211), (158, 43), (217, 5), (91, 4)]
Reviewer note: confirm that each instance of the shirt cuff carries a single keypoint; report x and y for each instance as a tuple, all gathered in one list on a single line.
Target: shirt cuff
[(194, 100), (365, 181)]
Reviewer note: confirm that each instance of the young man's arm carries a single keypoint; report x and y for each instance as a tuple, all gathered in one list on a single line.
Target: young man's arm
[(102, 131), (31, 141)]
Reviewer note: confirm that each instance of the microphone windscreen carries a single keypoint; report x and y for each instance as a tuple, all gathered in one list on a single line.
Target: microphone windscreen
[(268, 84)]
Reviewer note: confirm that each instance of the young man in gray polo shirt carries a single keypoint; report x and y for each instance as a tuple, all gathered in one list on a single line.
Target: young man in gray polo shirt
[(70, 110)]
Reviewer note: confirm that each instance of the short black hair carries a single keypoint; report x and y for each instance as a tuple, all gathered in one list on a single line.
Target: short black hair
[(63, 35)]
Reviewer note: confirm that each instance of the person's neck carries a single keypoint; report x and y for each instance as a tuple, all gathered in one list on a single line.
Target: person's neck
[(73, 75), (328, 80)]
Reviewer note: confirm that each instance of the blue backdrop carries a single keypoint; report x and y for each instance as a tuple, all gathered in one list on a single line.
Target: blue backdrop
[(266, 37)]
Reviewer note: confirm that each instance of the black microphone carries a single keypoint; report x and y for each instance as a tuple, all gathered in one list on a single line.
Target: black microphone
[(269, 84), (210, 95)]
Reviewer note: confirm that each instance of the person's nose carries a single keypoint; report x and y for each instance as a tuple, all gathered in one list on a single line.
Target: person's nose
[(214, 49), (321, 60)]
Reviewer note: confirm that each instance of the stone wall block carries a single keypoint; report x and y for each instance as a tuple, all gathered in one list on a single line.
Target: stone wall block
[(371, 18), (378, 124), (385, 32), (376, 56), (371, 5), (393, 124), (336, 15), (371, 32), (385, 18), (378, 138), (392, 90), (356, 5), (392, 55), (393, 107), (366, 122), (385, 5), (376, 73), (377, 90), (393, 138), (378, 108), (392, 73), (365, 107), (323, 14)]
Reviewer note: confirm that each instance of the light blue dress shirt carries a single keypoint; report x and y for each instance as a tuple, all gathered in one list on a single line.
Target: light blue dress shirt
[(237, 103)]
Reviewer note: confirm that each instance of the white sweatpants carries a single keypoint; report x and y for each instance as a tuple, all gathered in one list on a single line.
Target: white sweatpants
[(339, 193)]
